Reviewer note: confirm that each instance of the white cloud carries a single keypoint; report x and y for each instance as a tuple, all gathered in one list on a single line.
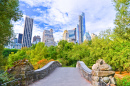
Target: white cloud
[(37, 2), (99, 14)]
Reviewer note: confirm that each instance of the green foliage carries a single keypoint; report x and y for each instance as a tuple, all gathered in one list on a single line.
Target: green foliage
[(6, 52), (8, 11), (122, 20), (125, 81)]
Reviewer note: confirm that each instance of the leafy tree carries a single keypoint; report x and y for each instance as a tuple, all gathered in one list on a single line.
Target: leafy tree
[(6, 52), (122, 20), (52, 52), (8, 11)]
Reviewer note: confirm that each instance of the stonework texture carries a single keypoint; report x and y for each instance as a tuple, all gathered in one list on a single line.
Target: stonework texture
[(102, 72)]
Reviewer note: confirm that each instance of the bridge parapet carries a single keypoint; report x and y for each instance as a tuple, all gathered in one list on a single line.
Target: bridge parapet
[(100, 75), (84, 70), (35, 75)]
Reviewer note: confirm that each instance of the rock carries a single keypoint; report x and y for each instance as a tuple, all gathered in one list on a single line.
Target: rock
[(102, 73), (100, 61), (95, 83), (112, 80), (105, 67), (95, 78), (95, 67), (105, 79)]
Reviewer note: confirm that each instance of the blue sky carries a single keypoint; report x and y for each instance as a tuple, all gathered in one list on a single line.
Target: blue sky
[(61, 15)]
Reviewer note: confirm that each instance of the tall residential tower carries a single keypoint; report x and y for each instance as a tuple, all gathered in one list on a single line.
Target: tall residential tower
[(27, 34)]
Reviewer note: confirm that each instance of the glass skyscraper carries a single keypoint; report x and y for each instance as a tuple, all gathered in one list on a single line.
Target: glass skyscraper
[(20, 38), (77, 34), (83, 24), (87, 36), (81, 28)]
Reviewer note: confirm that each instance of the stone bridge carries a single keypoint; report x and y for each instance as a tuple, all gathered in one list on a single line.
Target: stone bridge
[(53, 74)]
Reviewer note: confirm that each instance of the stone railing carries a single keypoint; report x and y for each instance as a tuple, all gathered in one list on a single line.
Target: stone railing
[(35, 75), (32, 76), (100, 75), (84, 70), (28, 76)]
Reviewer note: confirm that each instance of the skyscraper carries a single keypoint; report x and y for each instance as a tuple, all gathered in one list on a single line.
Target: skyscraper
[(65, 35), (83, 24), (48, 38), (87, 36), (81, 28), (27, 35), (36, 39), (77, 34), (20, 38)]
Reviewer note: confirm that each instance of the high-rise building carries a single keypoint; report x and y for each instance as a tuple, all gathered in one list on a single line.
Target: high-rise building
[(81, 28), (87, 36), (27, 35), (65, 35), (48, 38), (70, 35), (36, 38), (77, 34), (83, 24), (20, 38)]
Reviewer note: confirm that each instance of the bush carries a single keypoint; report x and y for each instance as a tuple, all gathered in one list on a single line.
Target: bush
[(125, 81)]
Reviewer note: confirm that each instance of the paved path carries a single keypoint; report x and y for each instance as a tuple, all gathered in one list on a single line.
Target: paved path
[(63, 76)]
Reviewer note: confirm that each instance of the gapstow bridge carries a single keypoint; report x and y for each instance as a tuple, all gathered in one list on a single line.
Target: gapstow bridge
[(53, 74)]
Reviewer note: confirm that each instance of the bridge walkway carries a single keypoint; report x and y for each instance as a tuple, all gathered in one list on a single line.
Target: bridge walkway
[(63, 76)]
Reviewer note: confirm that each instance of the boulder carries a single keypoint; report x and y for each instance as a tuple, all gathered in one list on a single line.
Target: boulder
[(105, 79), (95, 67), (112, 80), (95, 78), (105, 67)]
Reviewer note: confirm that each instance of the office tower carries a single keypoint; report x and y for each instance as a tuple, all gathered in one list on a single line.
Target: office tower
[(83, 24), (70, 35), (81, 28), (65, 35), (77, 34), (36, 39), (87, 36), (20, 38), (48, 38), (93, 36), (27, 35)]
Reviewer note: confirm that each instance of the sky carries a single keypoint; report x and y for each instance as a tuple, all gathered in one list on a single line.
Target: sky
[(61, 15)]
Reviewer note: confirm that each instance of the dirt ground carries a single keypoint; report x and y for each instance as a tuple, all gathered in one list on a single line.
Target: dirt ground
[(124, 73)]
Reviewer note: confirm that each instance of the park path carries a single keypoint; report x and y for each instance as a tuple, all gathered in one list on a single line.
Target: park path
[(63, 76)]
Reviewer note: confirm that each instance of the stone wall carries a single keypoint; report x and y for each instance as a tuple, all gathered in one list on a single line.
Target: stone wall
[(102, 72), (84, 70), (35, 75), (100, 75)]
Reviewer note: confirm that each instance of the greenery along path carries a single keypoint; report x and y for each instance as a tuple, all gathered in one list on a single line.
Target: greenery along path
[(63, 76)]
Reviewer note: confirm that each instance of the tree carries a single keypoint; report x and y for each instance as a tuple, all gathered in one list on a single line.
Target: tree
[(9, 11), (122, 20)]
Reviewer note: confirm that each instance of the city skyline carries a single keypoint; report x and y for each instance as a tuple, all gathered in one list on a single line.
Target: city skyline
[(62, 15)]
